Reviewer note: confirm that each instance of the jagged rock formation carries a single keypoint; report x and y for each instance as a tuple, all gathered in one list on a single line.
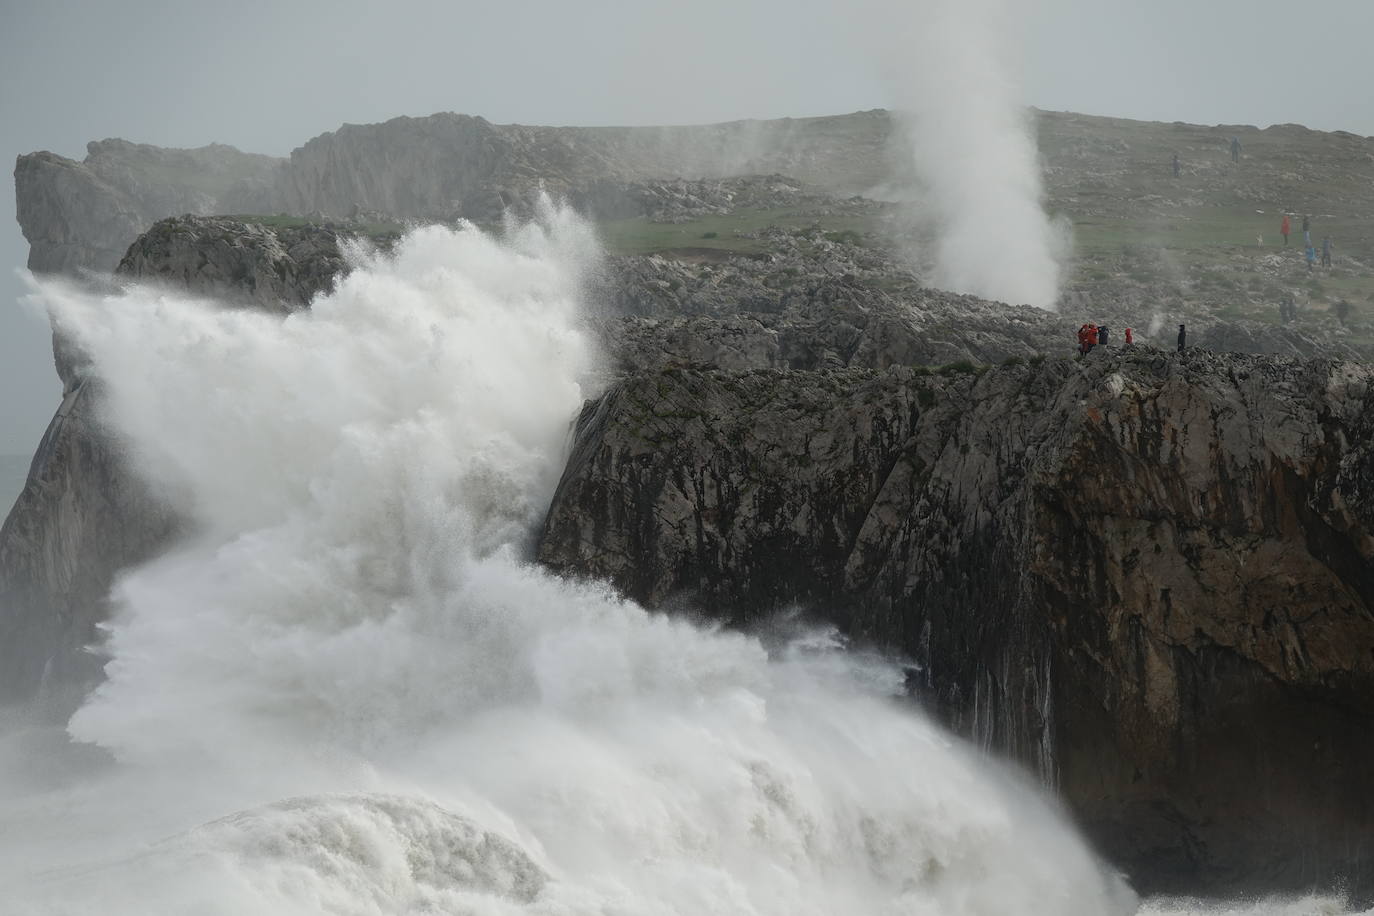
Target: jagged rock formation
[(1149, 575), (79, 215), (247, 263), (80, 518), (83, 515), (272, 268)]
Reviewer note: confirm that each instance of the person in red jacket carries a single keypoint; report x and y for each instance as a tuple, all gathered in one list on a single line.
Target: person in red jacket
[(1129, 339), (1283, 229), (1082, 339), (1092, 336)]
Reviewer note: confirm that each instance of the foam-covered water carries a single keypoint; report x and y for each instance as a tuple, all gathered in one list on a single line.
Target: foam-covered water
[(347, 692)]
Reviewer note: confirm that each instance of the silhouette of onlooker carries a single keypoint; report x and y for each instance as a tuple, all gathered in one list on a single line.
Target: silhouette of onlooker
[(1284, 227), (1235, 149), (1182, 337), (1175, 165), (1326, 251)]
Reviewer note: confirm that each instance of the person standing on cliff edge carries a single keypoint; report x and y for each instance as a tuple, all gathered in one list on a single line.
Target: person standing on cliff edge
[(1284, 229), (1182, 337)]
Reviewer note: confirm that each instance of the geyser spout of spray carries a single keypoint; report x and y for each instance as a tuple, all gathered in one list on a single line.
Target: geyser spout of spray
[(951, 67)]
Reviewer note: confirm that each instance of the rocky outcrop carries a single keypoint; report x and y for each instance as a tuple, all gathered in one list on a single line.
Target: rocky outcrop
[(277, 269), (72, 218), (449, 165), (84, 215), (238, 261), (1148, 575), (83, 515), (80, 518)]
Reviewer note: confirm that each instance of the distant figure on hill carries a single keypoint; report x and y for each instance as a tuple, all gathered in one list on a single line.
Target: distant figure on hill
[(1176, 165), (1326, 251), (1284, 228), (1182, 337), (1311, 257), (1342, 309), (1307, 230), (1235, 149), (1102, 334), (1129, 339)]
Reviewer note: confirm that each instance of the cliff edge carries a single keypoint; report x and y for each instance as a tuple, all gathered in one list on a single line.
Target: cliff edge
[(1146, 575)]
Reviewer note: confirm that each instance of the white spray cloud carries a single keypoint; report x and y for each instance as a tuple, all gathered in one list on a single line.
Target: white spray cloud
[(952, 67), (347, 693)]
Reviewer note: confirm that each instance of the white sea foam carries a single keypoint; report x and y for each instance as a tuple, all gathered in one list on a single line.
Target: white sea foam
[(347, 692)]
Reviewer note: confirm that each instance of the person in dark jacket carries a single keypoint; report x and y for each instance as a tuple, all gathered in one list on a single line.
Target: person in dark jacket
[(1102, 334), (1235, 149), (1175, 165), (1326, 251), (1182, 337)]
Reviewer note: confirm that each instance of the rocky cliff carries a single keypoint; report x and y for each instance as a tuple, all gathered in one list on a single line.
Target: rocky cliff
[(83, 515), (1144, 574), (85, 214), (441, 167), (1147, 575)]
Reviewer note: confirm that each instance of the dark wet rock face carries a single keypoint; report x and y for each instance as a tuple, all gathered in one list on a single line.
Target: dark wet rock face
[(1147, 576)]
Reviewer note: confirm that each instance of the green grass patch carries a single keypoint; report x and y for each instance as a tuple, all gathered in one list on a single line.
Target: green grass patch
[(640, 236)]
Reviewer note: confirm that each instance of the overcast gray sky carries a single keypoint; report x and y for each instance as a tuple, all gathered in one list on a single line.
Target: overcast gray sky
[(267, 76)]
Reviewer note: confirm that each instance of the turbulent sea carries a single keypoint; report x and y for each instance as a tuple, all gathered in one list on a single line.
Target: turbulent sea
[(347, 691)]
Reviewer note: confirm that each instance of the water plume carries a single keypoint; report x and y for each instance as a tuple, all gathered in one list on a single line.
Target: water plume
[(347, 691), (951, 66)]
